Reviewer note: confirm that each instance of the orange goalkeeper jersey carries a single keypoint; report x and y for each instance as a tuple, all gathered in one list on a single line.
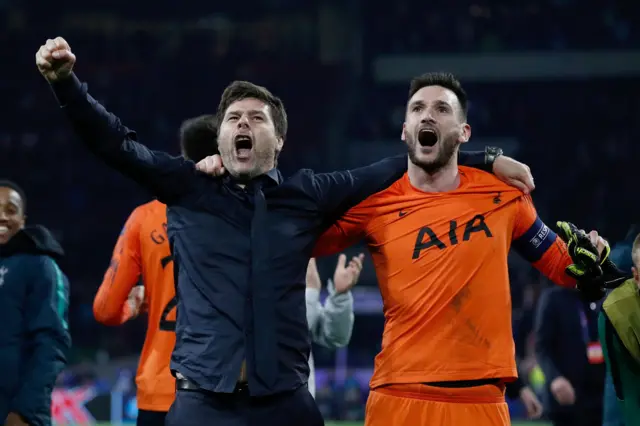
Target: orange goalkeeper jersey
[(441, 263), (142, 254)]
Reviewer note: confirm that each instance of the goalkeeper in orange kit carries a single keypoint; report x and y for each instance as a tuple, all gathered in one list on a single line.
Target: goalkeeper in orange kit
[(439, 237)]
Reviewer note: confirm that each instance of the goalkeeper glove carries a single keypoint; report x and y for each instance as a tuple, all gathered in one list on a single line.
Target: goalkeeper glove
[(594, 272), (594, 289), (586, 259)]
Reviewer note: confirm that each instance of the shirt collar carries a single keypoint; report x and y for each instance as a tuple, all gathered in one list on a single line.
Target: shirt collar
[(275, 175), (272, 178)]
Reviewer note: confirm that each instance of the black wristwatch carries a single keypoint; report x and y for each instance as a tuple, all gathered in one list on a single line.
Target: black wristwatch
[(490, 154)]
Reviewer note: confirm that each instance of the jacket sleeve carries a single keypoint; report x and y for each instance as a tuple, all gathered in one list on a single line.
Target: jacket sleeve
[(314, 308), (545, 330), (168, 178), (48, 338), (614, 355), (342, 197), (475, 159), (331, 325), (337, 192)]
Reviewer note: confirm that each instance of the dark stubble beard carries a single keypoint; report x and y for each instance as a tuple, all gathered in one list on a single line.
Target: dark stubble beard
[(263, 158), (446, 150)]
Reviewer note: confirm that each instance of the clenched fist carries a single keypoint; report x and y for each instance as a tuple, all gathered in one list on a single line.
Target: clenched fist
[(55, 60)]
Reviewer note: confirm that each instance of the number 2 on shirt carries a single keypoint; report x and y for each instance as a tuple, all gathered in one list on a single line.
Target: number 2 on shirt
[(165, 324)]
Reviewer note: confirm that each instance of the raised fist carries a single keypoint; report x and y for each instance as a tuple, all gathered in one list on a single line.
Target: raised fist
[(55, 60)]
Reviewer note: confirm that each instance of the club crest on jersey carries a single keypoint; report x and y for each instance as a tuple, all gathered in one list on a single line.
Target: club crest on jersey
[(427, 238), (3, 271)]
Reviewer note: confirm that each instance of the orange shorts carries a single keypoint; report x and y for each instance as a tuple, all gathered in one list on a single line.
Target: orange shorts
[(422, 405)]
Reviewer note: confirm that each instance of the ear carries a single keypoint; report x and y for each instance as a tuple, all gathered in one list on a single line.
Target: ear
[(279, 144), (465, 133), (403, 136), (636, 276), (24, 220)]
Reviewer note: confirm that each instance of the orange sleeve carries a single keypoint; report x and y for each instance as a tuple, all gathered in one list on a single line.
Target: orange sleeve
[(345, 232), (124, 272), (538, 244)]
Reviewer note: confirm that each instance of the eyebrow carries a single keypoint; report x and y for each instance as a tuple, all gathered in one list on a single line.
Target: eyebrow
[(441, 102), (416, 103), (250, 112), (437, 102)]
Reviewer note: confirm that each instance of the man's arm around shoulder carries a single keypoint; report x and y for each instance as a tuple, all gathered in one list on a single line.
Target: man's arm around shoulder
[(337, 192), (47, 339)]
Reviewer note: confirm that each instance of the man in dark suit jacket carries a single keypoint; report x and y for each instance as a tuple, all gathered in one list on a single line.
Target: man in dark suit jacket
[(570, 356)]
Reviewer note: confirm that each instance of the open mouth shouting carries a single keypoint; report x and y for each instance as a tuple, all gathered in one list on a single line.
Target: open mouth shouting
[(427, 137), (244, 145)]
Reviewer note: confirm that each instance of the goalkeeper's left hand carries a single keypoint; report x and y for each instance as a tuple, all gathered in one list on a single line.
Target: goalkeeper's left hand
[(588, 252), (591, 266)]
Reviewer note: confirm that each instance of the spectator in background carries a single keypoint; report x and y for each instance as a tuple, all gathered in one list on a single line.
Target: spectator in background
[(34, 298), (621, 252), (569, 353), (331, 324), (611, 415), (621, 256), (619, 327)]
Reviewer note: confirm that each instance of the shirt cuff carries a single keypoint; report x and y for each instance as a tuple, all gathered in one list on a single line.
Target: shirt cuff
[(312, 295), (338, 298)]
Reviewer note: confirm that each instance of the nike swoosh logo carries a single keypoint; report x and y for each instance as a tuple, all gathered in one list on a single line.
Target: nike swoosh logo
[(402, 214)]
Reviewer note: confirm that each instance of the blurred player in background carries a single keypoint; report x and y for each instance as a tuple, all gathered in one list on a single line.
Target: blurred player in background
[(518, 389), (439, 238), (570, 356), (619, 330), (621, 256), (142, 255), (331, 324), (34, 301)]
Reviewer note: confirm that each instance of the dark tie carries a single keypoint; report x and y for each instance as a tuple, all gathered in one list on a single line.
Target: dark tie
[(264, 318)]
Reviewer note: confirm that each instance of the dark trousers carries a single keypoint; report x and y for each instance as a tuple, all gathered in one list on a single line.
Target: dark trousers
[(577, 418), (151, 418), (199, 408)]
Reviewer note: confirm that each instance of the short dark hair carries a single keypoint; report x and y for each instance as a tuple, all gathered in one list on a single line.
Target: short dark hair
[(443, 79), (239, 90), (5, 183), (198, 137)]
